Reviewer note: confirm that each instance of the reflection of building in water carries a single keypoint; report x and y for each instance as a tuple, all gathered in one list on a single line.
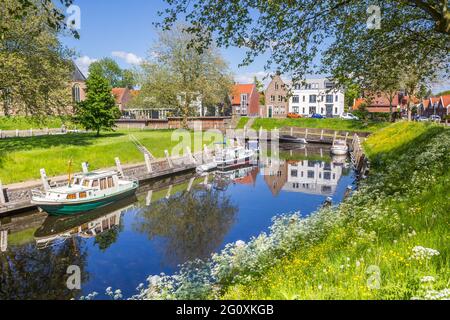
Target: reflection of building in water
[(3, 240), (313, 177), (275, 174)]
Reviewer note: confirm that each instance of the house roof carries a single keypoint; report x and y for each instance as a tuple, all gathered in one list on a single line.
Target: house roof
[(118, 94), (382, 101), (77, 75), (249, 179), (446, 100), (239, 89)]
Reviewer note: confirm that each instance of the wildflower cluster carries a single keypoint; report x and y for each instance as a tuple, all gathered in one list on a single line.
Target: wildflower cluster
[(421, 253)]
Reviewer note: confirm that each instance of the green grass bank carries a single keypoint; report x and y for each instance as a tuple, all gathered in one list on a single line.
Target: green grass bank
[(24, 123), (332, 124), (388, 241), (22, 158)]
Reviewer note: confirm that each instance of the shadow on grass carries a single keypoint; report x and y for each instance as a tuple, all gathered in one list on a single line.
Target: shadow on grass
[(45, 142)]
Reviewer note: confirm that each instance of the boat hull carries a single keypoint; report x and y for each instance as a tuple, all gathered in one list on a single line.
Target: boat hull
[(70, 209), (339, 151)]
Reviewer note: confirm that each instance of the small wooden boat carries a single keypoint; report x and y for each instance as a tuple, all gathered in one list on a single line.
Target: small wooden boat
[(339, 148), (85, 192), (292, 139)]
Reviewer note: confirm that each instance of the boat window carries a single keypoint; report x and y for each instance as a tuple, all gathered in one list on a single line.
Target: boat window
[(103, 184), (110, 182), (86, 183), (82, 195), (71, 196), (95, 183), (75, 181)]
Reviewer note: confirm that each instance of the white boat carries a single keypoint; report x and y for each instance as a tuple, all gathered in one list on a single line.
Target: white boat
[(85, 192), (339, 147), (228, 158)]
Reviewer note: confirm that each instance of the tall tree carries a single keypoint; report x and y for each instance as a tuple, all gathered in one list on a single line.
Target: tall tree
[(109, 69), (187, 73), (294, 33), (99, 110), (35, 68)]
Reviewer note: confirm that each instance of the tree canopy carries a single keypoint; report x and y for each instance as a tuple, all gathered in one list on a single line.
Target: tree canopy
[(176, 74), (352, 36), (99, 110), (35, 68), (109, 69)]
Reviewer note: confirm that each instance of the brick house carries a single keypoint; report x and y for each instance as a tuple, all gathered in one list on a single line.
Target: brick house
[(245, 100), (78, 84), (435, 106), (277, 105), (379, 103), (122, 96)]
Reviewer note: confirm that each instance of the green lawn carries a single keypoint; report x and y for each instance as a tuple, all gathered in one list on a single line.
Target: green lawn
[(23, 123), (364, 249), (22, 158), (242, 122), (333, 124)]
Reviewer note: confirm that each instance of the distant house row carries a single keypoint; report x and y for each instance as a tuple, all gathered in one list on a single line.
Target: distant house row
[(313, 96), (380, 103)]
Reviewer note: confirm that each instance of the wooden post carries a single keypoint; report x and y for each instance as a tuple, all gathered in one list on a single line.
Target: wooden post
[(169, 161), (44, 180), (321, 135), (119, 166), (85, 167), (169, 192), (346, 137), (335, 136), (191, 183), (306, 134), (148, 199), (2, 194), (292, 131), (148, 163), (191, 157), (3, 240)]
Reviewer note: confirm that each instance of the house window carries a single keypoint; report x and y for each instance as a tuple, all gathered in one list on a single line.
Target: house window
[(295, 99), (295, 109), (272, 98), (280, 98), (277, 86), (294, 173), (312, 110), (304, 98), (311, 174), (329, 85), (304, 111), (335, 110), (76, 93), (329, 98), (337, 98), (312, 98)]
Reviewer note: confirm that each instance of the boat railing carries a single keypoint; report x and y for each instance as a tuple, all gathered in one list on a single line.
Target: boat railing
[(37, 193)]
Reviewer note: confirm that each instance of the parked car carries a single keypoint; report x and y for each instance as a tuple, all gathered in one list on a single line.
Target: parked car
[(317, 116), (435, 118), (423, 119), (294, 116), (349, 116)]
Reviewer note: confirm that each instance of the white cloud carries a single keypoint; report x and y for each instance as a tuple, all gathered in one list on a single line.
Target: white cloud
[(129, 57), (248, 77), (83, 63)]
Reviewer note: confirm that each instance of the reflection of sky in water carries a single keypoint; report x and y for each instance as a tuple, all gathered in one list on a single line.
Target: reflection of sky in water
[(156, 239)]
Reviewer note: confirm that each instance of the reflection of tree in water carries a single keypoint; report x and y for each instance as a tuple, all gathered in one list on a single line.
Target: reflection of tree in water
[(28, 273), (194, 223), (107, 238)]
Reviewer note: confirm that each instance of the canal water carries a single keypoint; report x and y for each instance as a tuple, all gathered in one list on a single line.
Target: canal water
[(169, 222)]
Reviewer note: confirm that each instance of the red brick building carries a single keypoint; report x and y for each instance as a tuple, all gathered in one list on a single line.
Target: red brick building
[(245, 100), (379, 103), (435, 106)]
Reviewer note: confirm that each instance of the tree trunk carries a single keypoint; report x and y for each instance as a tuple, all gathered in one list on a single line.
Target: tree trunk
[(98, 132)]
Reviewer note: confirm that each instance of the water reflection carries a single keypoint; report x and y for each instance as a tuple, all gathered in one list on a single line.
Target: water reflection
[(193, 224)]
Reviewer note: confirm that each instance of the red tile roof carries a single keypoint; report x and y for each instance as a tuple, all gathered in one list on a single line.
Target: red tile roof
[(118, 94), (239, 89), (446, 100)]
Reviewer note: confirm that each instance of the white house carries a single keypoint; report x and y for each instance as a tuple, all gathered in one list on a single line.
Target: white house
[(317, 96)]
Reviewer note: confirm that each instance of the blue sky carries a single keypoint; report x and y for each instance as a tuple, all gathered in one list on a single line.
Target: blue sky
[(123, 30)]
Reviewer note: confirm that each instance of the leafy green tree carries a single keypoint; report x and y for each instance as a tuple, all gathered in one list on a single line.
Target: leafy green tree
[(109, 69), (177, 73), (99, 111), (35, 68), (346, 34)]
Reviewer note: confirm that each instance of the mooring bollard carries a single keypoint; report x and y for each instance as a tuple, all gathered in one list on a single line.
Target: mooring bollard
[(44, 179), (119, 166), (148, 163), (169, 161), (2, 194), (85, 167)]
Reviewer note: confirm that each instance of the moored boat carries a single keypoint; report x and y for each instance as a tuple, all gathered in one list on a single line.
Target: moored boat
[(339, 148), (292, 139), (85, 192)]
